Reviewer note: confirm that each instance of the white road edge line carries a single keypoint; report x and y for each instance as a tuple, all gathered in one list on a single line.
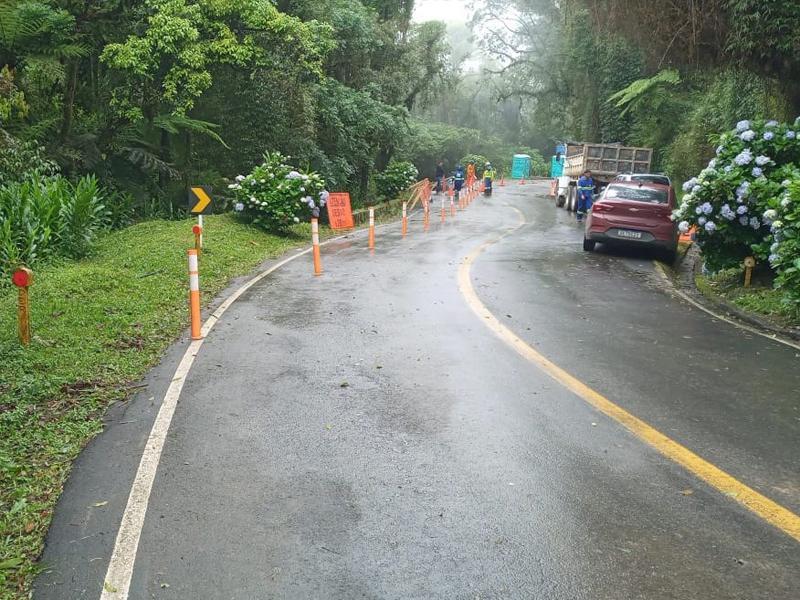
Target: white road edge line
[(120, 568), (773, 337), (119, 574)]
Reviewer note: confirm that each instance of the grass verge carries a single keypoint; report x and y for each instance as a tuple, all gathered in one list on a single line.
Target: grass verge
[(98, 325), (761, 298)]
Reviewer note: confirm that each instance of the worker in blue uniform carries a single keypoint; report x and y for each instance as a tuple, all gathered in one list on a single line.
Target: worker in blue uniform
[(585, 194)]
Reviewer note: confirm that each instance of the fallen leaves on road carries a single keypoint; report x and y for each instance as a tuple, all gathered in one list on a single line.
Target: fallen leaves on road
[(99, 504)]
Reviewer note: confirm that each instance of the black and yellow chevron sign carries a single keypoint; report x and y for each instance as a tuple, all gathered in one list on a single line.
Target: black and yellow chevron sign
[(200, 201)]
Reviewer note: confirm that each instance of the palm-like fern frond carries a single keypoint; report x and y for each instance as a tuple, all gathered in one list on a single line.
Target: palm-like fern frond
[(644, 90)]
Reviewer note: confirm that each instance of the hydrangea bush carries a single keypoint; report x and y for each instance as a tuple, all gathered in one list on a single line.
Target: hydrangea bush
[(398, 176), (746, 201), (275, 195)]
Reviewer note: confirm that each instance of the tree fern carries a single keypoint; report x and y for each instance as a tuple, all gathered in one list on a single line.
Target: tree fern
[(650, 90)]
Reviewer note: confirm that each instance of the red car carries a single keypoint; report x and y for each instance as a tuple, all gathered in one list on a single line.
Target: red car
[(634, 214)]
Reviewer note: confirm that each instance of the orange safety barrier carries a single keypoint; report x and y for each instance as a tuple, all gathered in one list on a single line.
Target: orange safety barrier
[(405, 218), (688, 237), (553, 188)]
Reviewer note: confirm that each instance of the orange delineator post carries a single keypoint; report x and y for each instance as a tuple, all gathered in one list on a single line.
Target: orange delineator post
[(405, 218), (315, 247), (444, 215), (502, 181), (371, 228), (427, 218), (194, 295), (453, 207)]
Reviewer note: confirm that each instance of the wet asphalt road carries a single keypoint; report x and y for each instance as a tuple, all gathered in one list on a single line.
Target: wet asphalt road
[(364, 435)]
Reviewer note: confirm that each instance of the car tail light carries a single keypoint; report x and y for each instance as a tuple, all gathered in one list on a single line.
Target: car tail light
[(599, 207)]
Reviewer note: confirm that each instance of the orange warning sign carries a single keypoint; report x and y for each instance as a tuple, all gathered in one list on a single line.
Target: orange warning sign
[(340, 214)]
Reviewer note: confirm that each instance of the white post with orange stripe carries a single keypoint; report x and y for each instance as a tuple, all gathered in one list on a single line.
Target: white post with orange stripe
[(444, 214), (453, 207), (371, 228), (315, 247), (405, 218), (194, 295)]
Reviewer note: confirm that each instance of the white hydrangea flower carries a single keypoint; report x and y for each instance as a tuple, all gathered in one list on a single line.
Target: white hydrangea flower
[(683, 226), (240, 178), (239, 207)]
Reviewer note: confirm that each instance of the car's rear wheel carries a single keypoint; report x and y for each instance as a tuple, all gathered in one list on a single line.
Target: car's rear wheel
[(571, 198), (668, 256), (588, 245), (560, 200)]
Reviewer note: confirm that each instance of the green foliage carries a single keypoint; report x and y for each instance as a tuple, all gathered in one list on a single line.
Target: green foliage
[(785, 257), (19, 160), (397, 177), (183, 40), (42, 218), (275, 196), (646, 94)]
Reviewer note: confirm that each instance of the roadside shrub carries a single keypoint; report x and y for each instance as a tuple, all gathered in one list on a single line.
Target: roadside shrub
[(745, 202), (479, 160), (398, 176), (20, 160), (44, 217), (785, 249), (275, 196)]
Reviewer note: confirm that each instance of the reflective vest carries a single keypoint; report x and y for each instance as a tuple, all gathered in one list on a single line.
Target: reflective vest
[(489, 174)]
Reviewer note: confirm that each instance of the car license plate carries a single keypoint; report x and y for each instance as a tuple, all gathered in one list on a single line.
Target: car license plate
[(633, 235)]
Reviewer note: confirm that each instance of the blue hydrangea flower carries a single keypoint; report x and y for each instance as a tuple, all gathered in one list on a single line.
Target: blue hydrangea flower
[(683, 226), (742, 210), (773, 258), (727, 213), (748, 136), (728, 168), (769, 136), (720, 150), (239, 207), (772, 123), (706, 208), (744, 125), (758, 172), (763, 160), (755, 223), (690, 184), (696, 189), (294, 175), (743, 220), (790, 135), (774, 247), (743, 189), (702, 221), (711, 227), (745, 157)]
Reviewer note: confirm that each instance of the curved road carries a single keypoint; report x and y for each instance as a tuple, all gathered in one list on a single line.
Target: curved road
[(366, 435)]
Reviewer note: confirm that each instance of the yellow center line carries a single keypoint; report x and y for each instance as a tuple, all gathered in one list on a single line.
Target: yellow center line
[(763, 507)]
